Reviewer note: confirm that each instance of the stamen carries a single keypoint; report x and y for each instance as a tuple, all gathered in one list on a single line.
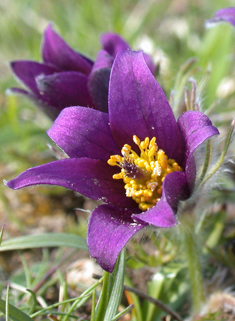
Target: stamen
[(143, 174)]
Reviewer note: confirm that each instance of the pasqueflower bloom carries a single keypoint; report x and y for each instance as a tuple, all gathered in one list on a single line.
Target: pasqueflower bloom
[(225, 14), (67, 78), (136, 158)]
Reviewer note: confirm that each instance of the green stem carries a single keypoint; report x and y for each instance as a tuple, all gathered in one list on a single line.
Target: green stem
[(194, 267)]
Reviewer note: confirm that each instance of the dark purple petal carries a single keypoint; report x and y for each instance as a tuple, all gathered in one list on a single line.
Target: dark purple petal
[(92, 178), (138, 106), (174, 189), (109, 229), (195, 128), (83, 132), (27, 71), (64, 89), (113, 43), (226, 14), (99, 80), (57, 52), (98, 89)]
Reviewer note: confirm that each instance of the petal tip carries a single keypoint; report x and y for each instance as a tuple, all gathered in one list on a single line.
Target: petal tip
[(13, 64), (10, 184), (49, 31), (155, 222), (223, 15)]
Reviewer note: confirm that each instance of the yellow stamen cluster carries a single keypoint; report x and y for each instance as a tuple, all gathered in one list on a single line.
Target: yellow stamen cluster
[(143, 175)]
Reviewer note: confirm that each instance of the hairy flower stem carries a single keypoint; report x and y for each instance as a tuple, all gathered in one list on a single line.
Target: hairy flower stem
[(194, 268), (208, 154), (217, 165)]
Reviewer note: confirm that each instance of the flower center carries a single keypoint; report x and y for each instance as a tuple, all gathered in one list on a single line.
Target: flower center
[(143, 175)]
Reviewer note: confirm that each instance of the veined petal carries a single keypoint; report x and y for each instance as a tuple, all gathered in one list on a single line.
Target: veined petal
[(225, 14), (138, 106), (57, 52), (83, 132), (92, 178), (195, 128), (64, 89), (109, 229), (99, 80), (27, 71), (113, 43), (174, 189)]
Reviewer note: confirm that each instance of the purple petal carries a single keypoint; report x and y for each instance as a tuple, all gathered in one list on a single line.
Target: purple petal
[(195, 128), (103, 60), (98, 88), (64, 89), (138, 106), (174, 189), (226, 14), (109, 229), (18, 91), (83, 132), (57, 52), (92, 178), (150, 63), (99, 80), (27, 71), (113, 43)]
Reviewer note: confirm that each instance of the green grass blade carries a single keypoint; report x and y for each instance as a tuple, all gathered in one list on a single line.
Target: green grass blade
[(104, 297), (1, 234), (117, 290), (14, 313), (44, 240), (84, 296), (123, 312), (7, 304)]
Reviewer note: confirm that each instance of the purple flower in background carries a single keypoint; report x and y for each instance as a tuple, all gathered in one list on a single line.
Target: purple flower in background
[(226, 14), (136, 158), (67, 78)]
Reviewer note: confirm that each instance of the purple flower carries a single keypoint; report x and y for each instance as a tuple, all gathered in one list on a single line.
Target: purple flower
[(67, 78), (136, 158), (225, 14)]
